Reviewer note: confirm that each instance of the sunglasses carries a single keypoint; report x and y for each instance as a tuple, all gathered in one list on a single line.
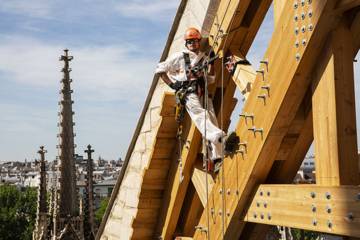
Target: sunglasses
[(191, 41)]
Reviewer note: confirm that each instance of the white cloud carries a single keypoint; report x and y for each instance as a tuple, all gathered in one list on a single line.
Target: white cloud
[(153, 10), (35, 8), (105, 73)]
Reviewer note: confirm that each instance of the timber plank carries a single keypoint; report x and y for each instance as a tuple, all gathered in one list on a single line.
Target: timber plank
[(316, 208)]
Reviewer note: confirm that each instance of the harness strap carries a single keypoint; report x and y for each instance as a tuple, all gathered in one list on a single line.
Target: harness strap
[(187, 62)]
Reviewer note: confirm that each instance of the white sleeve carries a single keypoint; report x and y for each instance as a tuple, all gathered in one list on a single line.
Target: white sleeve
[(172, 64)]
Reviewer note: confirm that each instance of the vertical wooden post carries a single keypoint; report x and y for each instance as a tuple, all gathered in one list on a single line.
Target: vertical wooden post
[(334, 113)]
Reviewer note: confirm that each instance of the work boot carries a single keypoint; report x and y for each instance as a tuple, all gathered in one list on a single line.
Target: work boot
[(231, 143)]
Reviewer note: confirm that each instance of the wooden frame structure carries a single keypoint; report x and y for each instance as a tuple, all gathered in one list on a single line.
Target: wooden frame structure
[(302, 93)]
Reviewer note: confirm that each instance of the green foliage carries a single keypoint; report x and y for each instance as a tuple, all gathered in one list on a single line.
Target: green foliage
[(17, 212), (300, 234), (100, 212)]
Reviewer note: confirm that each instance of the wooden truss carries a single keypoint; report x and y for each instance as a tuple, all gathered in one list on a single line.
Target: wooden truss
[(303, 93)]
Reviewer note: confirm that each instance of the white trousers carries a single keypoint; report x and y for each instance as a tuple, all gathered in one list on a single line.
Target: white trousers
[(213, 132)]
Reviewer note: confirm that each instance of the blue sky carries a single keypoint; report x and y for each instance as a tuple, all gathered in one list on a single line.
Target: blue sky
[(115, 44)]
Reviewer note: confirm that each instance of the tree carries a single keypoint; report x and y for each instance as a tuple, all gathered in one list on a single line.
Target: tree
[(100, 212), (17, 212), (300, 234)]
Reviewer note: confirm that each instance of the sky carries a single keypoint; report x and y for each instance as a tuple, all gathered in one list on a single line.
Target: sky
[(116, 46)]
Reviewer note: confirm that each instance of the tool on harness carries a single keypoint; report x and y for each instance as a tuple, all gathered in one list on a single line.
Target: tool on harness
[(197, 69)]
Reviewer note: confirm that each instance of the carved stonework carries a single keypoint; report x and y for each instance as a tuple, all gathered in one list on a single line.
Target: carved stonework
[(41, 224), (66, 207), (89, 223)]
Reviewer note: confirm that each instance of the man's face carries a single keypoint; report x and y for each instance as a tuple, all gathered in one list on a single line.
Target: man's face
[(193, 45)]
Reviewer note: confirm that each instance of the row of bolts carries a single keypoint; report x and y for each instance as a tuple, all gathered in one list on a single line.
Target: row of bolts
[(251, 116), (350, 216)]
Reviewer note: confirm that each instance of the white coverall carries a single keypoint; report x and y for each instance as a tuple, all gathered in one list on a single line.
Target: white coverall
[(174, 66)]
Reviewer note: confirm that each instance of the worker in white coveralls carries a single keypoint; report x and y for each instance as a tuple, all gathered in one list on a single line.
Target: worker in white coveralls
[(179, 73)]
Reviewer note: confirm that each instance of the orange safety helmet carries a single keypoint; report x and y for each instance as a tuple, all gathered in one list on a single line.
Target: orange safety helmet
[(192, 33)]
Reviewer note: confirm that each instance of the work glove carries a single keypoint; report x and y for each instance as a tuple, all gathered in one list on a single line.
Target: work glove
[(175, 85)]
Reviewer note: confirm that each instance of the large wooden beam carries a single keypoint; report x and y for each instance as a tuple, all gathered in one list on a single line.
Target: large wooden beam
[(288, 86), (328, 209), (229, 16), (284, 171), (335, 121)]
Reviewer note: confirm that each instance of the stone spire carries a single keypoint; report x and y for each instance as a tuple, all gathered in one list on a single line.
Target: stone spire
[(40, 231), (89, 224), (68, 194), (66, 212)]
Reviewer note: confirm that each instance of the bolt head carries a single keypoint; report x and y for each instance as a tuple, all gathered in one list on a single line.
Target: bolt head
[(296, 18), (328, 195), (313, 208), (303, 15), (296, 31), (311, 27), (328, 209), (313, 194), (297, 44), (314, 222), (296, 5), (310, 14), (303, 29), (329, 224), (350, 216)]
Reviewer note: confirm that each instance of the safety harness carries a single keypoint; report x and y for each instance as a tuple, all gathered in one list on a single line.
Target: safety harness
[(193, 86)]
